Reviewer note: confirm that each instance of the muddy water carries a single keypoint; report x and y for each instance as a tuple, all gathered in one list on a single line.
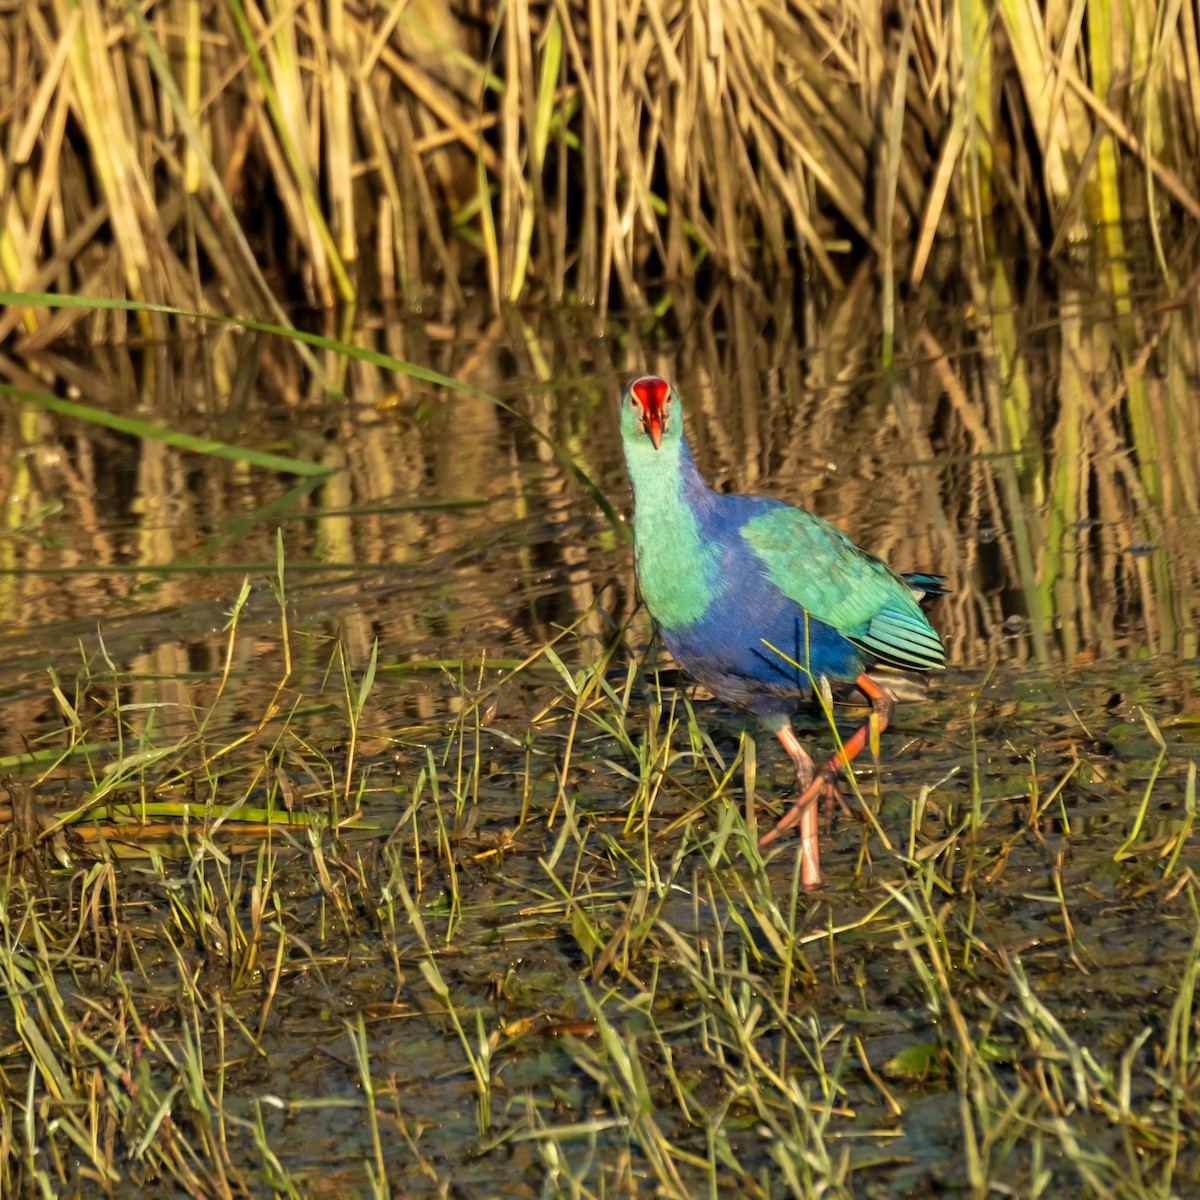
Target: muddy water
[(1054, 482)]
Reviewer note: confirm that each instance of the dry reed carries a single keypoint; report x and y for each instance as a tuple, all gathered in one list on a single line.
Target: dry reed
[(220, 157)]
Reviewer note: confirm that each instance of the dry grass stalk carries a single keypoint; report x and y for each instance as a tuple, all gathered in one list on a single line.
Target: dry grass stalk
[(612, 144)]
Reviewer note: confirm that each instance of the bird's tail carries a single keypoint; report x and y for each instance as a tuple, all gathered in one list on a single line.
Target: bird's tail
[(924, 586)]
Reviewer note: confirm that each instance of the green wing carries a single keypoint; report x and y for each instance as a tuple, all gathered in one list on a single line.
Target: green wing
[(840, 585)]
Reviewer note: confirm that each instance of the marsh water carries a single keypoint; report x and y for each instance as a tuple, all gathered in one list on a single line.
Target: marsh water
[(1039, 445)]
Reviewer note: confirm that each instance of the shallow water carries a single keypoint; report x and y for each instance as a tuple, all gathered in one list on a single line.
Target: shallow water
[(1054, 482), (448, 530)]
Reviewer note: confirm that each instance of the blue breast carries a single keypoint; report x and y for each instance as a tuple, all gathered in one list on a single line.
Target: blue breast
[(724, 650)]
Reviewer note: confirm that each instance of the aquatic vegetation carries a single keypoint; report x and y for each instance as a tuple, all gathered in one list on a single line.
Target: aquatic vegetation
[(535, 942)]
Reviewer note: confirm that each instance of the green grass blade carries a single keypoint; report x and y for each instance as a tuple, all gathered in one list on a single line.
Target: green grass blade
[(157, 433)]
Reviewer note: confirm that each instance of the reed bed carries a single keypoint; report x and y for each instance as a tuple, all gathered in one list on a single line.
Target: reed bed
[(235, 157)]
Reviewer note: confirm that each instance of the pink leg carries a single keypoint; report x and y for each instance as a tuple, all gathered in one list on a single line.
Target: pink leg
[(804, 807), (810, 850), (805, 768)]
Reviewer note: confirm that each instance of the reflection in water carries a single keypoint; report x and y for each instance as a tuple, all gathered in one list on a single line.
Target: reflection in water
[(1045, 457)]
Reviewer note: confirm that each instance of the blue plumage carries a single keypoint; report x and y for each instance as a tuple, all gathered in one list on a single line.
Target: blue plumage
[(723, 648), (721, 575)]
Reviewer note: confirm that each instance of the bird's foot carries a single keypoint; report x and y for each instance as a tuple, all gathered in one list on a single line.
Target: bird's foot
[(803, 812), (833, 791)]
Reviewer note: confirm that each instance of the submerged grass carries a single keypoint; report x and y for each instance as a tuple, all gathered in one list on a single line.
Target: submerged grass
[(547, 952)]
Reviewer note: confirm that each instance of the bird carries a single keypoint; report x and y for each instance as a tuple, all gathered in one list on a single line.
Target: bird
[(738, 585)]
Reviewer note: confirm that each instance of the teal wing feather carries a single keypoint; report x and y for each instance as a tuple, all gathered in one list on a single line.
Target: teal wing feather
[(843, 586)]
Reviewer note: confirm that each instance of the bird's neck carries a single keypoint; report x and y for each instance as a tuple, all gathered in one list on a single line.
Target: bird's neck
[(674, 556), (666, 483)]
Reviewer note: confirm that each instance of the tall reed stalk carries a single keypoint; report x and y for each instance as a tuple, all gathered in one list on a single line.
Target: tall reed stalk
[(573, 149)]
